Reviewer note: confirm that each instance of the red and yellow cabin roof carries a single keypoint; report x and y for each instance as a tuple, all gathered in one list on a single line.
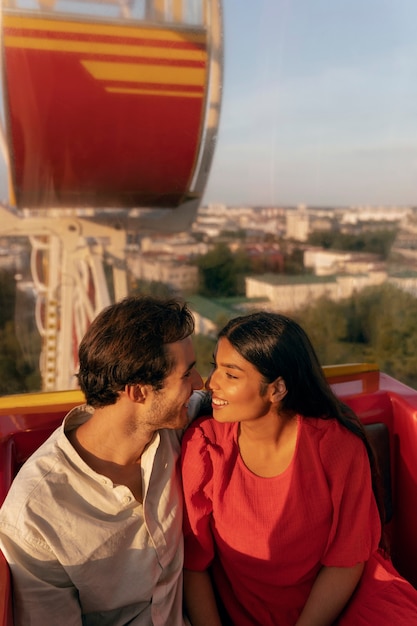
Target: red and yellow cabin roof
[(102, 114)]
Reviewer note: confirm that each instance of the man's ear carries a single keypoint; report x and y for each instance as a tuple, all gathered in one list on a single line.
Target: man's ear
[(136, 393), (279, 389)]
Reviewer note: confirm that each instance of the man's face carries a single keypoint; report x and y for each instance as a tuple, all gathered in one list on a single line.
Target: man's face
[(168, 406)]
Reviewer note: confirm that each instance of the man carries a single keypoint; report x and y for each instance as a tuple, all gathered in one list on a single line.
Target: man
[(91, 527)]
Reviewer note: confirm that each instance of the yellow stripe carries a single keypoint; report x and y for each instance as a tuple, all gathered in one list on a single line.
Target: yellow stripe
[(133, 73), (152, 92), (347, 369), (31, 43), (93, 28), (45, 401)]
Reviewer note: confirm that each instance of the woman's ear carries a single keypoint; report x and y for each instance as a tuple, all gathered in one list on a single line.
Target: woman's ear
[(279, 389)]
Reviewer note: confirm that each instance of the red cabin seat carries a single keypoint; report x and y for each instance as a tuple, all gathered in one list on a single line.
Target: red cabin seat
[(15, 450), (6, 617)]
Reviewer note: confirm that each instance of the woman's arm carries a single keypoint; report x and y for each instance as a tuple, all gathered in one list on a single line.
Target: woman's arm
[(329, 595), (200, 603)]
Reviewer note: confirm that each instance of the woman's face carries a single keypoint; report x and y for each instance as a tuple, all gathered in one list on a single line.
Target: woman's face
[(238, 390)]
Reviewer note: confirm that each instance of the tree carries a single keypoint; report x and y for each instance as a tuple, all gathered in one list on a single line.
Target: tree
[(151, 288), (19, 372), (7, 297), (294, 262), (378, 324), (222, 272), (326, 328), (376, 242)]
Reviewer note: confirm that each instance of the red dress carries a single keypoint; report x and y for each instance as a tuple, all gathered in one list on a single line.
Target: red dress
[(265, 539)]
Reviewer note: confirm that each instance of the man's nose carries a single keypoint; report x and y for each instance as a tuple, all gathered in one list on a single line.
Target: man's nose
[(197, 381)]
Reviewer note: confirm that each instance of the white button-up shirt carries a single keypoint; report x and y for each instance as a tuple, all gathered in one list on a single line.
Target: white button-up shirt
[(82, 550)]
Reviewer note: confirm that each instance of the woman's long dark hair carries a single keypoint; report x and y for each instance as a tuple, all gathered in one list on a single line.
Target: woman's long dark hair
[(278, 347)]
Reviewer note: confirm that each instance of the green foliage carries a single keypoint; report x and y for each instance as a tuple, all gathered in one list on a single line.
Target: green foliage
[(222, 272), (378, 324), (376, 242), (18, 374), (294, 262), (326, 327), (239, 233), (389, 318), (150, 288), (7, 297)]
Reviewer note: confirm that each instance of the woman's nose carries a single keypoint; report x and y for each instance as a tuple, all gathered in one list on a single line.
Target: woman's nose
[(210, 380)]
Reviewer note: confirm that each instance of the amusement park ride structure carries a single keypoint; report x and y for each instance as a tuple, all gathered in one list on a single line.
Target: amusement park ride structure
[(112, 108), (67, 267)]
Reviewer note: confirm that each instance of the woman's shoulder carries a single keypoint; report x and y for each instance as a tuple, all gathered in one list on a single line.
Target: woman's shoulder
[(341, 453), (326, 427), (209, 429), (207, 446), (331, 435)]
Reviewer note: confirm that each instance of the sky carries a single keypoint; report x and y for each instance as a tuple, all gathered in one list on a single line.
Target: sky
[(319, 104)]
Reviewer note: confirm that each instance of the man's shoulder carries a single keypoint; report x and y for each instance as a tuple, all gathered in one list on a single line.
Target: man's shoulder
[(37, 466)]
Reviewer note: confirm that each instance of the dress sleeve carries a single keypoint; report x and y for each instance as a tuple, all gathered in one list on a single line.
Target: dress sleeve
[(356, 529), (197, 477)]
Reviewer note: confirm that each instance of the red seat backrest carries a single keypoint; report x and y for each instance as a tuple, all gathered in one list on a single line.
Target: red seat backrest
[(15, 449), (6, 616)]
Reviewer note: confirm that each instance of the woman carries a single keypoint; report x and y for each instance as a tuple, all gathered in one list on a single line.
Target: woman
[(282, 521)]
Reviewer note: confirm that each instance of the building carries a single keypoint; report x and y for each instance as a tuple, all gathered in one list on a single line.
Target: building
[(298, 224), (288, 293), (177, 246), (328, 262), (406, 281), (209, 315), (180, 277)]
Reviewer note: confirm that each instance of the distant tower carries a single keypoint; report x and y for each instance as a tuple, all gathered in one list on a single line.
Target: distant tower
[(297, 223)]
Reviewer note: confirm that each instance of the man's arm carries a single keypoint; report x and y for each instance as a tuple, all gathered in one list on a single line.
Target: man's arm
[(200, 603), (329, 595), (42, 591)]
